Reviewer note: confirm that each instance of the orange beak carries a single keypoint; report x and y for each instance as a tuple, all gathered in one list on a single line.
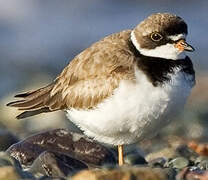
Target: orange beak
[(182, 45)]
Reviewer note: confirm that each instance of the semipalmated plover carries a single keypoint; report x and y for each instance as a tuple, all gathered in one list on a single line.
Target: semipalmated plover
[(125, 87)]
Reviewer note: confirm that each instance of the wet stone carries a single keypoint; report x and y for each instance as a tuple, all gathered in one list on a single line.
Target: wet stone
[(135, 159), (178, 163), (197, 175), (158, 162), (186, 152), (56, 165), (202, 162), (192, 174), (165, 152), (62, 141)]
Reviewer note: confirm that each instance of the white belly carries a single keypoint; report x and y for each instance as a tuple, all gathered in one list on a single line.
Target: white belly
[(135, 111)]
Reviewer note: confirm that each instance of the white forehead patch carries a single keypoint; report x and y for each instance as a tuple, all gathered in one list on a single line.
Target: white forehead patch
[(177, 37), (167, 51)]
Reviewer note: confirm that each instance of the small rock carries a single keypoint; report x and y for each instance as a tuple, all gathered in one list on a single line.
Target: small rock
[(196, 174), (56, 165), (200, 148), (185, 151), (135, 159), (158, 162), (59, 140), (178, 163), (124, 173), (166, 152), (202, 162)]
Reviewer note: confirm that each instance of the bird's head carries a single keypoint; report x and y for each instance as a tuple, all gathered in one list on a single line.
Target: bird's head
[(162, 35)]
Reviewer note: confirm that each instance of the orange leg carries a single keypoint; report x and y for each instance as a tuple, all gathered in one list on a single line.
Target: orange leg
[(120, 155)]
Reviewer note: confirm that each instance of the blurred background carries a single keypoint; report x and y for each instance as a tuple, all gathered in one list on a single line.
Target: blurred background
[(38, 38)]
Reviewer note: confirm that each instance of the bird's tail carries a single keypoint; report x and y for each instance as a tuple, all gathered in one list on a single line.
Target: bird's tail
[(32, 102)]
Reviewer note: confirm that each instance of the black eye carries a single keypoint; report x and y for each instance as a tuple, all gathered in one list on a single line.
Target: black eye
[(156, 36)]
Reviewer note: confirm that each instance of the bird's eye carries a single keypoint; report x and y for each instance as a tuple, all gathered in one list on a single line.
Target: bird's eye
[(156, 36)]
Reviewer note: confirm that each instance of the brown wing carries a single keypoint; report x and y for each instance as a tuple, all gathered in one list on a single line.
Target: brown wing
[(88, 79)]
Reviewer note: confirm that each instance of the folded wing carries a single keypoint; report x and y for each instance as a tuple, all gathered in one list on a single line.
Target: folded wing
[(89, 78)]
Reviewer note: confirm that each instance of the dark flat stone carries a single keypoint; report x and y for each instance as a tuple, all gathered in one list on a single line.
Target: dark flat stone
[(60, 140)]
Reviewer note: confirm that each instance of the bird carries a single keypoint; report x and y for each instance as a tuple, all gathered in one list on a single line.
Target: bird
[(123, 88)]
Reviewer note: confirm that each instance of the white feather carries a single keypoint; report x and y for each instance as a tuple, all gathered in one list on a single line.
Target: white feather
[(177, 37), (135, 111), (167, 51)]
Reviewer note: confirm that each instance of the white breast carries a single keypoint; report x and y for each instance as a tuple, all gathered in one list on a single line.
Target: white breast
[(135, 111)]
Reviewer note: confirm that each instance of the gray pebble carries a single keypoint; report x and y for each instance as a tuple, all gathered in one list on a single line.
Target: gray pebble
[(134, 159), (186, 152), (178, 163), (202, 162)]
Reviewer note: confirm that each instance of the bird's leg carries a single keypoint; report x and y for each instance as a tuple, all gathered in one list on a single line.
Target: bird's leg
[(120, 155)]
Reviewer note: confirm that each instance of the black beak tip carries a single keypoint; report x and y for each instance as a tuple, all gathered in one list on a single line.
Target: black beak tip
[(193, 49), (190, 48)]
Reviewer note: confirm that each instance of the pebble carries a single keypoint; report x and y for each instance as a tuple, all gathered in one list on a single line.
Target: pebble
[(135, 159), (62, 155), (178, 163), (158, 162), (202, 162), (165, 152), (186, 152), (192, 174)]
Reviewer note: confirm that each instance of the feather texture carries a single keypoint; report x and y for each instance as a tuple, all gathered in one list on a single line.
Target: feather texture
[(88, 79)]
